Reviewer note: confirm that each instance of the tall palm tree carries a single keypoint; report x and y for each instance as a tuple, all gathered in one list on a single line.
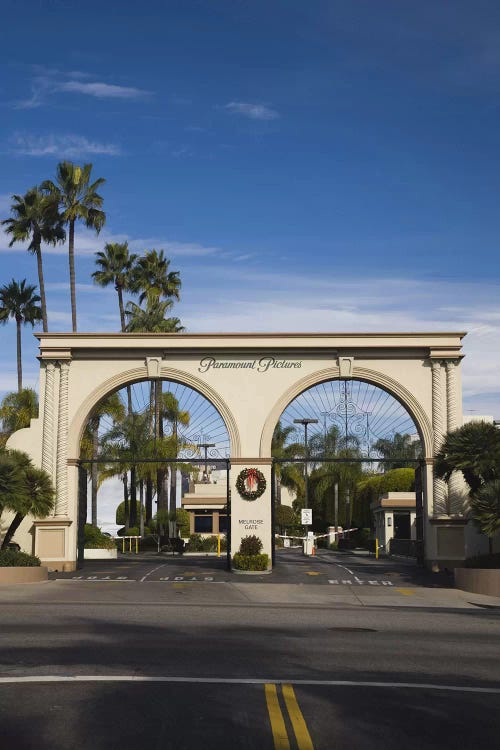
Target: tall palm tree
[(17, 409), (152, 279), (115, 266), (112, 407), (399, 447), (176, 417), (151, 319), (282, 448), (19, 301), (36, 218), (78, 201)]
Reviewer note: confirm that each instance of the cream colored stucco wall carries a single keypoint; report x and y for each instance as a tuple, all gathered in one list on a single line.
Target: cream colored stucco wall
[(250, 400)]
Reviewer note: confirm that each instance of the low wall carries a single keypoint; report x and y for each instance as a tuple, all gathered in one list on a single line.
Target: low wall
[(100, 554), (23, 575), (478, 580)]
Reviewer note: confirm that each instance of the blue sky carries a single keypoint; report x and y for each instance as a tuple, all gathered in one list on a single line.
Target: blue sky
[(306, 166)]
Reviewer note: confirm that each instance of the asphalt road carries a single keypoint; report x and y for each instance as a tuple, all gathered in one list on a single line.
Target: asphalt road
[(134, 663)]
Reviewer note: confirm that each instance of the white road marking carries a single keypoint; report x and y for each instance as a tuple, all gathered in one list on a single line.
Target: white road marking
[(152, 571), (344, 567), (245, 681)]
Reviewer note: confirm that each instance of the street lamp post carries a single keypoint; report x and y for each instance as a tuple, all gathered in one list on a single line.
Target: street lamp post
[(206, 446), (306, 423)]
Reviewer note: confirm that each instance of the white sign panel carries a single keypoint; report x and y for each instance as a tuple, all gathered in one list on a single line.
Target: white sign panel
[(306, 516)]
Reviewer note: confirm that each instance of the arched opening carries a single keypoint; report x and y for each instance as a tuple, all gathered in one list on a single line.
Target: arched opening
[(348, 449), (155, 457)]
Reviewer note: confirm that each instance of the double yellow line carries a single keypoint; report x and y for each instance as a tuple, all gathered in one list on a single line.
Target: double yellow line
[(278, 727)]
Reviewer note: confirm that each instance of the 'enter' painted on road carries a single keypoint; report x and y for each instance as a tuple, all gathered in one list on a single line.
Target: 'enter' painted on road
[(358, 582)]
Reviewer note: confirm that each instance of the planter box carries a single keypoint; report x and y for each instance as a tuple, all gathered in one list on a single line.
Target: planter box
[(23, 575), (478, 580), (100, 554)]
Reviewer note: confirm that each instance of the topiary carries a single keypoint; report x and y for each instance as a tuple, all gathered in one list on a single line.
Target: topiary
[(11, 558), (250, 545)]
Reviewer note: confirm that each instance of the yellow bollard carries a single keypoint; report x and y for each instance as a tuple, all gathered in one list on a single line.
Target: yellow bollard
[(218, 544), (376, 549)]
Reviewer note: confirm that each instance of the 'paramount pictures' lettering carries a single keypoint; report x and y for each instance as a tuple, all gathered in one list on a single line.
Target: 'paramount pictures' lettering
[(260, 365)]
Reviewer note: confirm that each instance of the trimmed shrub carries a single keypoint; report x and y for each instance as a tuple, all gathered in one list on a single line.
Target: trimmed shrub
[(10, 558), (250, 562), (95, 539), (182, 521), (250, 545), (197, 543)]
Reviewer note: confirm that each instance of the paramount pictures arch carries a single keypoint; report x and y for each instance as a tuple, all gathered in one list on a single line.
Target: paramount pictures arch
[(250, 379)]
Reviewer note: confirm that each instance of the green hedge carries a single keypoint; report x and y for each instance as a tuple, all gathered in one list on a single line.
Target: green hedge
[(10, 558), (250, 562), (95, 539), (198, 543)]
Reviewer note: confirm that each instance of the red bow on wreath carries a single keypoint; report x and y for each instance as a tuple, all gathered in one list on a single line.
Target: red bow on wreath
[(252, 479)]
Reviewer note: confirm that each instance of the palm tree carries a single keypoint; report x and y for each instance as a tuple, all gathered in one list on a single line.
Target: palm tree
[(473, 449), (152, 279), (17, 409), (485, 506), (399, 448), (112, 407), (20, 302), (35, 494), (78, 201), (285, 474), (151, 319), (36, 218), (175, 416), (115, 266), (127, 440)]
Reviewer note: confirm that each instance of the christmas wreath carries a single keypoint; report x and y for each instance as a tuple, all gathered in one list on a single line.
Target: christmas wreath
[(251, 484)]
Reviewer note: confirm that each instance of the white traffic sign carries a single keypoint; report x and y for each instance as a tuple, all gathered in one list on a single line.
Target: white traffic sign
[(306, 516)]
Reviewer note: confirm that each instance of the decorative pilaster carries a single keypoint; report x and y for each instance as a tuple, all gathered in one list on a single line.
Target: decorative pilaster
[(438, 427), (62, 443), (48, 420), (454, 483)]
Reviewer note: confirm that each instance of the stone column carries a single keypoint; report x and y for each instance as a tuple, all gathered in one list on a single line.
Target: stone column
[(48, 420), (438, 427), (62, 443), (454, 484)]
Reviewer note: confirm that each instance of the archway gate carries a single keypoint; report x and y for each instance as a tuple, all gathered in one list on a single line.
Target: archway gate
[(250, 379)]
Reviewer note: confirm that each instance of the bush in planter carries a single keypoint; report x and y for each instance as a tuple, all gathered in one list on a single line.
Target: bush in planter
[(10, 558), (95, 539), (250, 562), (249, 556)]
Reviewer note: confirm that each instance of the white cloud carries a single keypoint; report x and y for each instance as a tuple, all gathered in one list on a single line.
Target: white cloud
[(253, 111), (102, 90), (49, 81), (62, 146)]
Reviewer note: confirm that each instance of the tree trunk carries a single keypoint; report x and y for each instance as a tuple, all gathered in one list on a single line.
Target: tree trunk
[(160, 474), (16, 522), (141, 508), (149, 500), (93, 473), (72, 282), (19, 358), (41, 284), (173, 476), (122, 325), (133, 497), (126, 507)]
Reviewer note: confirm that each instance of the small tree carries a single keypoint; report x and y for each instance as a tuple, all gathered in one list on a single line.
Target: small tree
[(30, 491), (284, 517), (485, 506)]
